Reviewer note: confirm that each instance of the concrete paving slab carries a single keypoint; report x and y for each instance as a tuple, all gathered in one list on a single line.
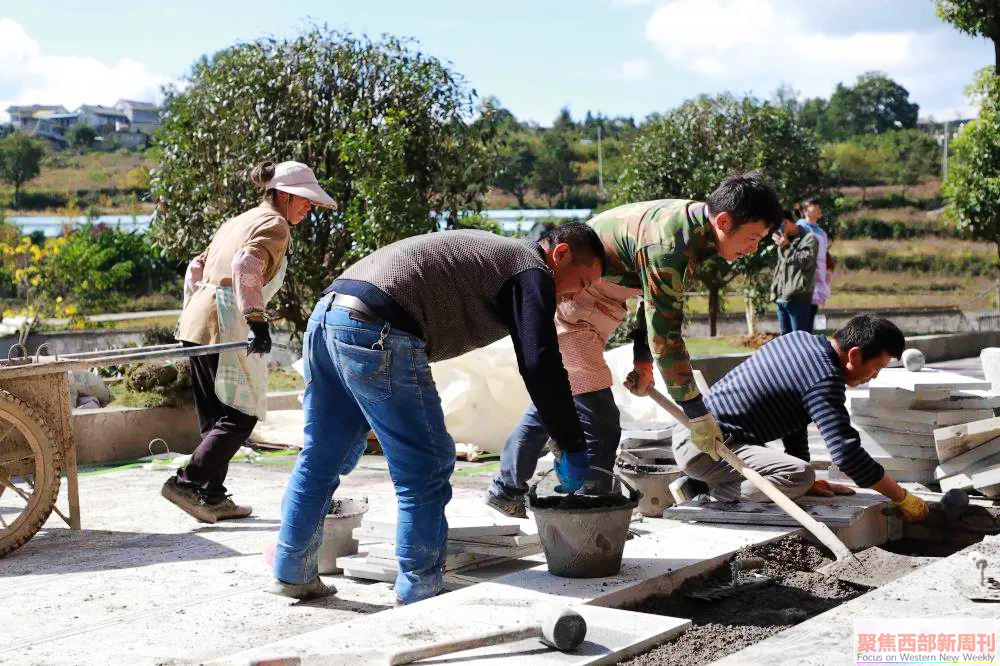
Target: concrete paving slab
[(934, 417), (612, 635), (664, 554)]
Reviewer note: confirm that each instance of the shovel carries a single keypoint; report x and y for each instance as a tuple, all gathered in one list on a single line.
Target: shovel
[(846, 560)]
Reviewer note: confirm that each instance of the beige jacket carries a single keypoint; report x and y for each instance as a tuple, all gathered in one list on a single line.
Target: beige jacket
[(263, 233)]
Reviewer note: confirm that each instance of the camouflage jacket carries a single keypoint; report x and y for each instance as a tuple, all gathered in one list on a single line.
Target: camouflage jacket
[(654, 246)]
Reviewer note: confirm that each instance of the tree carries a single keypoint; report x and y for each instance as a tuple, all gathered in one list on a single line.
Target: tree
[(976, 18), (554, 172), (388, 130), (875, 104), (20, 160), (516, 165), (852, 163), (689, 151), (81, 136), (972, 185)]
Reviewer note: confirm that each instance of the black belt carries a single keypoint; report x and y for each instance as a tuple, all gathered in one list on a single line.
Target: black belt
[(359, 310)]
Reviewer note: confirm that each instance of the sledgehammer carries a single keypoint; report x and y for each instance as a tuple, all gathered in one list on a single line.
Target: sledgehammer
[(818, 529), (562, 628)]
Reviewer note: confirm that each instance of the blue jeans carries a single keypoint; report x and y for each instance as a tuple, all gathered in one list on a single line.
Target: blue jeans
[(356, 374), (795, 314), (602, 429)]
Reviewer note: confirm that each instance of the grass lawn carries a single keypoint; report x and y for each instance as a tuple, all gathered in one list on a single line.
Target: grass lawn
[(716, 346)]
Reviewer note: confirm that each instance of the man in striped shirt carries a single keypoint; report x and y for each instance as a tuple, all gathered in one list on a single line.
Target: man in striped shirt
[(791, 381)]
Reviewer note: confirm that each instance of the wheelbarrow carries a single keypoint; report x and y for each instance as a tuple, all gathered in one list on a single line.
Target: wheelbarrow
[(36, 437)]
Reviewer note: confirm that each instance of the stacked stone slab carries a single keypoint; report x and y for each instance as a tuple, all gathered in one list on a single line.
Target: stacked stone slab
[(479, 540), (907, 420)]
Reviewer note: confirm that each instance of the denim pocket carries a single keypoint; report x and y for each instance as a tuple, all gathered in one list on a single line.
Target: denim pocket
[(366, 371), (307, 357)]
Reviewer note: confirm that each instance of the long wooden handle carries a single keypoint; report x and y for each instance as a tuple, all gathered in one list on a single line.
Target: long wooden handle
[(818, 529), (447, 647)]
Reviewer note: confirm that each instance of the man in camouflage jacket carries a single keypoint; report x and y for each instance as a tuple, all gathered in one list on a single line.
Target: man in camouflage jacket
[(652, 249)]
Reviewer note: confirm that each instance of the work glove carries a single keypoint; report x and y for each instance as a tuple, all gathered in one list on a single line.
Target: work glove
[(640, 379), (912, 507), (572, 469), (823, 488), (706, 435), (259, 338)]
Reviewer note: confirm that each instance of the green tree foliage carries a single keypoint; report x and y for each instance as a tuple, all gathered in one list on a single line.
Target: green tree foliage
[(976, 18), (689, 151), (873, 105), (20, 160), (554, 173), (81, 136), (903, 157), (516, 166), (98, 268), (972, 185), (386, 128)]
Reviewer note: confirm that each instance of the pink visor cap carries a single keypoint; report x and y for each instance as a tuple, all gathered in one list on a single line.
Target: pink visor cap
[(296, 178)]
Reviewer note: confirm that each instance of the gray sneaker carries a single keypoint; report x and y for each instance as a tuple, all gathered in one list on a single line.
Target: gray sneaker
[(684, 488), (508, 507), (302, 591), (227, 509), (187, 499)]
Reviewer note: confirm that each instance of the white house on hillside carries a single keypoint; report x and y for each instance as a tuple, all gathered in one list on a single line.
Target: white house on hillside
[(143, 116)]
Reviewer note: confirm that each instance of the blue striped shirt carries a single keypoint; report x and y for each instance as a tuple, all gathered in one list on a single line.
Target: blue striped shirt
[(792, 381)]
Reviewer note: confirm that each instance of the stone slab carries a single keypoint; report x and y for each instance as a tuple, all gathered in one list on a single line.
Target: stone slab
[(883, 436), (974, 456), (951, 441), (905, 427), (928, 378), (841, 511), (466, 520), (988, 476), (935, 418), (879, 449), (960, 481), (662, 555), (934, 591), (612, 635)]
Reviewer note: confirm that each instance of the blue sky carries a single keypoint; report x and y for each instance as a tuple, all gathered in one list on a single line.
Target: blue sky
[(617, 57)]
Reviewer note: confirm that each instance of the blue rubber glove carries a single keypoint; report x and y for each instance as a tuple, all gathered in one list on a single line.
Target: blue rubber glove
[(572, 470)]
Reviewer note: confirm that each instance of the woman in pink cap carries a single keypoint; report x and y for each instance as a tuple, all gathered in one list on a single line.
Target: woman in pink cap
[(226, 288)]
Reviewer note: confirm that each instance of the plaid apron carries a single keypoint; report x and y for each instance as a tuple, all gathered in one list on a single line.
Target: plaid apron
[(241, 380)]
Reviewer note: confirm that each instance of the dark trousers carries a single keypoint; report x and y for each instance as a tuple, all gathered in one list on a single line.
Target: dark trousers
[(795, 315), (601, 423), (223, 431), (812, 320)]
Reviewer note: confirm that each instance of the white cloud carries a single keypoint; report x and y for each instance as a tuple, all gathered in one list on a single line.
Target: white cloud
[(632, 3), (754, 45), (634, 69), (754, 39), (29, 76)]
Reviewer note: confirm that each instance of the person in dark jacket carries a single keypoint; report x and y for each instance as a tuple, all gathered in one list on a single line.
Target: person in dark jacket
[(367, 351), (794, 276)]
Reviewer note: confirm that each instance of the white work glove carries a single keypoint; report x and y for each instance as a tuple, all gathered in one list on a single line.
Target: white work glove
[(706, 435)]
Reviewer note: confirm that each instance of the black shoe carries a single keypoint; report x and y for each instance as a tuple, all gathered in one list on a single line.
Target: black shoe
[(188, 499), (508, 507)]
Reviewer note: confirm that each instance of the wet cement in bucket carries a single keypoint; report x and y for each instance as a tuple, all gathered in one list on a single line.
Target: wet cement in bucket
[(578, 502)]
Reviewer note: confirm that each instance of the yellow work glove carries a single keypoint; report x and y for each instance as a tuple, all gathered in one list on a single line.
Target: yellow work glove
[(912, 507), (706, 435)]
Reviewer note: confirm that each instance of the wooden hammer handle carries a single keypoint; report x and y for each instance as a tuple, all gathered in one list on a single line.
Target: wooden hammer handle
[(818, 529), (447, 647)]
